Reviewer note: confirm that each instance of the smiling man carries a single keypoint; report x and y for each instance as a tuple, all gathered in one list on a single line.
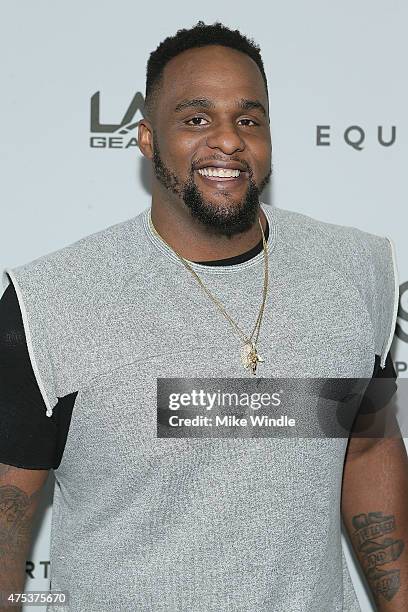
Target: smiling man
[(206, 282), (212, 191)]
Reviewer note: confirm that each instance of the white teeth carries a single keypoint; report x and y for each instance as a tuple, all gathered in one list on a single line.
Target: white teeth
[(220, 172)]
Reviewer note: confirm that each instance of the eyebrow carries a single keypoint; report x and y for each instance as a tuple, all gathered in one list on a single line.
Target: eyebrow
[(243, 104), (246, 104)]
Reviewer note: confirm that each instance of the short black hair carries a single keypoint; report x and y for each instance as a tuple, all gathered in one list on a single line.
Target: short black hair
[(199, 35)]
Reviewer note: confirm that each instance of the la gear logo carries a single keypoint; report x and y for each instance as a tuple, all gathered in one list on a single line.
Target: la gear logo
[(101, 133)]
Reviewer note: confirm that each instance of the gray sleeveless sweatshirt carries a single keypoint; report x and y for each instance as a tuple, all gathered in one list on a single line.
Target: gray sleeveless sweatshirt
[(142, 523)]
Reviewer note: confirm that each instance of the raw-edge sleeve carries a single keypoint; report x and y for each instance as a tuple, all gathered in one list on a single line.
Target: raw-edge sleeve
[(42, 385), (395, 301)]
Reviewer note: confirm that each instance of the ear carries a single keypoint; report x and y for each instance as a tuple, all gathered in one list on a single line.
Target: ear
[(145, 138)]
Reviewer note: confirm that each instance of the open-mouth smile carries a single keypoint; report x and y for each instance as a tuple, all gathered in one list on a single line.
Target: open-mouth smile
[(212, 174)]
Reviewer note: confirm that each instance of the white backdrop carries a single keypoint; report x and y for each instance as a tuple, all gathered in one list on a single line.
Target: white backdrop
[(338, 65)]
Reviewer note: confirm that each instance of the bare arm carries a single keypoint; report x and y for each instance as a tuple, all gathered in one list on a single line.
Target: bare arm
[(20, 492), (375, 513)]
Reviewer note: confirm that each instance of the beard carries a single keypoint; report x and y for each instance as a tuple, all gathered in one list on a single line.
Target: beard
[(227, 219)]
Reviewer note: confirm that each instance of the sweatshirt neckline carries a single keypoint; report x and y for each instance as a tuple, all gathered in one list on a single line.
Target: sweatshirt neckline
[(258, 259)]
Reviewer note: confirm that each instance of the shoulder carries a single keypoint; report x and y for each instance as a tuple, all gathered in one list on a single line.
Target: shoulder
[(66, 295), (83, 257), (346, 240), (366, 259), (83, 273)]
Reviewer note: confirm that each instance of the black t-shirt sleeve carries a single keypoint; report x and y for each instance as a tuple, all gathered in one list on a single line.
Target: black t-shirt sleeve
[(28, 438), (381, 387)]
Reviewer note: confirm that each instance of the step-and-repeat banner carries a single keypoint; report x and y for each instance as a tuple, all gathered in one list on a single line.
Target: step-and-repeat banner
[(73, 79)]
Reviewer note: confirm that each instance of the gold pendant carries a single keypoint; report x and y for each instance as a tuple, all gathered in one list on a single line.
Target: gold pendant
[(249, 357)]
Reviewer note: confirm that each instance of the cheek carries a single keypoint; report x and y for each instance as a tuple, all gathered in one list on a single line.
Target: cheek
[(181, 151), (262, 156)]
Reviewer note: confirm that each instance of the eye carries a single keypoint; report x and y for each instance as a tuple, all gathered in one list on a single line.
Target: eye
[(254, 122), (194, 119)]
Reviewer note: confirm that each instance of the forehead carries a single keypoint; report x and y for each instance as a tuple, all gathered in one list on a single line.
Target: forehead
[(215, 72)]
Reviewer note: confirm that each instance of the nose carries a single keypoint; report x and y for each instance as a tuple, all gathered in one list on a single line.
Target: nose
[(225, 138)]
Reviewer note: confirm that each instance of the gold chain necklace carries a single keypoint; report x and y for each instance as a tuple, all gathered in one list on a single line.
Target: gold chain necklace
[(249, 354)]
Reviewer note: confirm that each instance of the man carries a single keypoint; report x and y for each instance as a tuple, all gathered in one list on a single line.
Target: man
[(145, 523)]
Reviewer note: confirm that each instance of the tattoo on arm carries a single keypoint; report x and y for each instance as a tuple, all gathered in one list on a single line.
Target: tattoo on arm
[(14, 506), (16, 512), (4, 469), (377, 549)]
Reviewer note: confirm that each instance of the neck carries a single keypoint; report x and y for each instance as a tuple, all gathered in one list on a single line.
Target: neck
[(193, 241)]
